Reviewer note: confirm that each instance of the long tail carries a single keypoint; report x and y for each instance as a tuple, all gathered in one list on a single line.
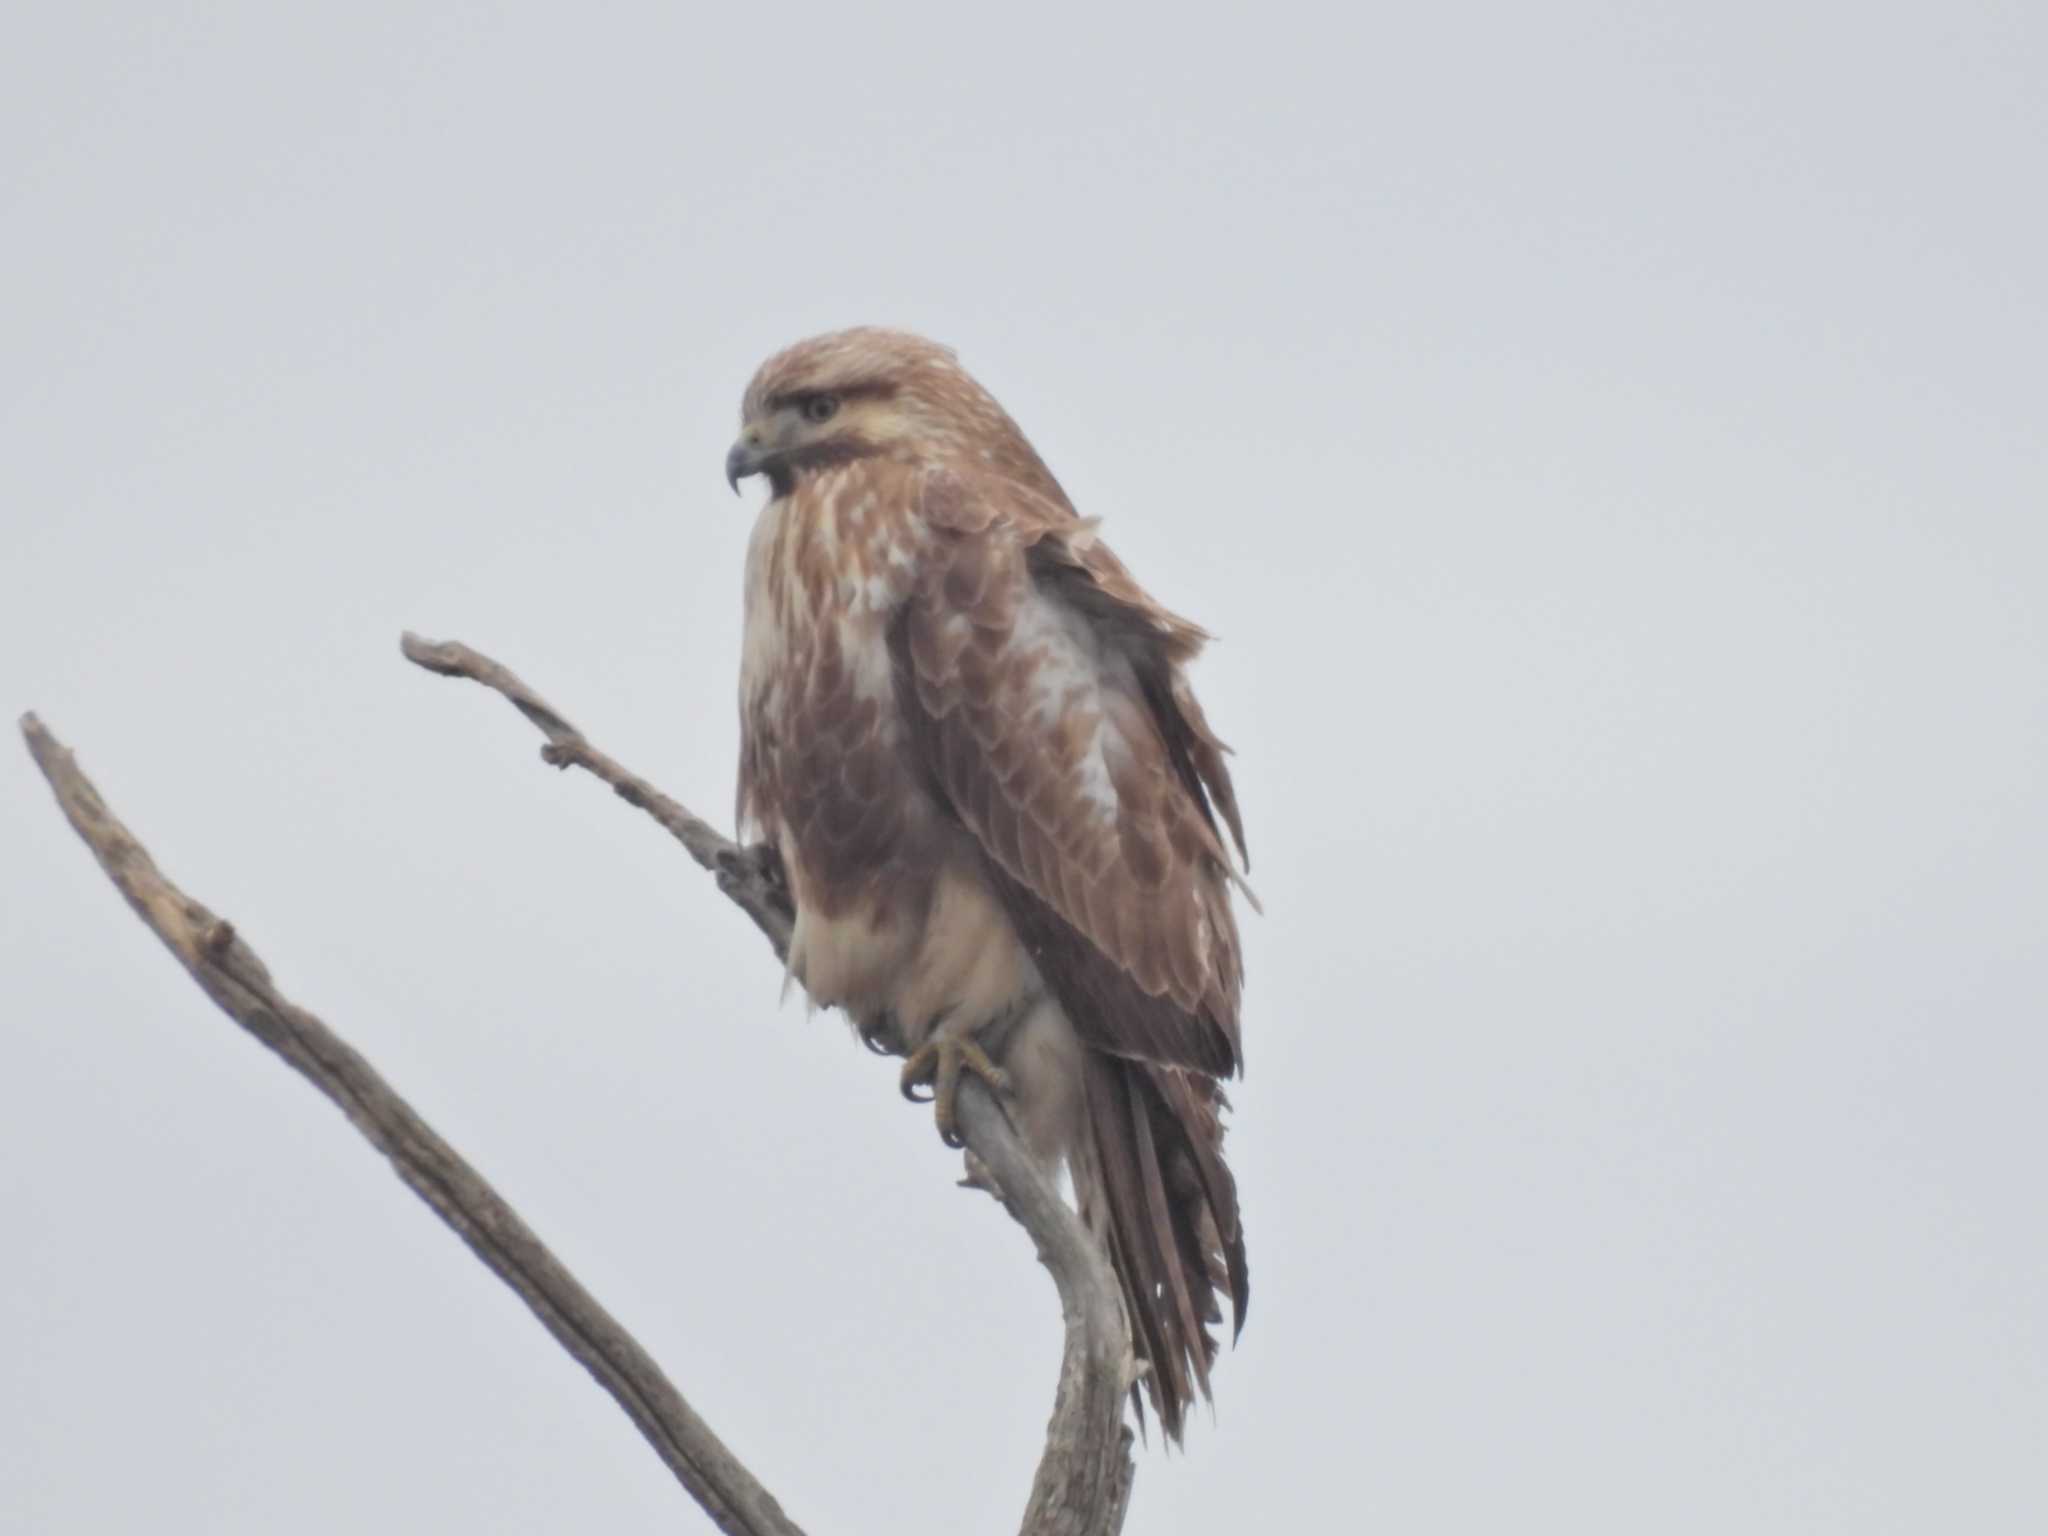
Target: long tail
[(1150, 1178)]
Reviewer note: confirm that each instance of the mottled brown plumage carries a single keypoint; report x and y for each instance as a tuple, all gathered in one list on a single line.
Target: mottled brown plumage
[(967, 730)]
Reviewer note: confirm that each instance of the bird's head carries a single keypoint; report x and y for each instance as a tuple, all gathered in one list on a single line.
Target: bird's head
[(859, 394)]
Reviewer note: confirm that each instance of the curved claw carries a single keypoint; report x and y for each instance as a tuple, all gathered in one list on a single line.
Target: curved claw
[(878, 1034), (939, 1063)]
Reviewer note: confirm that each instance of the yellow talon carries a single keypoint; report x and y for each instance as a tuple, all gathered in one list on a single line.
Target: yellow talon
[(938, 1064)]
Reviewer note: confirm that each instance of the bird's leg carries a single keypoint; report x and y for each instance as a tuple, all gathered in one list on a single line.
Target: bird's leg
[(937, 1064)]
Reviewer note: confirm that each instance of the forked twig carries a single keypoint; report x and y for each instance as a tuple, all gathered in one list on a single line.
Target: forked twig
[(1083, 1483)]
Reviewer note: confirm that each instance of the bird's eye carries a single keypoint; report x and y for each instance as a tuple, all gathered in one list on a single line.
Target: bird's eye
[(820, 407)]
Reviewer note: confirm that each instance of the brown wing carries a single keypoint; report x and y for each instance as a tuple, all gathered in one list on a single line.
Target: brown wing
[(1042, 692)]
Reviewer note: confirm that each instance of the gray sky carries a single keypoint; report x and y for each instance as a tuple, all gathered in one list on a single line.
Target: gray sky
[(1608, 440)]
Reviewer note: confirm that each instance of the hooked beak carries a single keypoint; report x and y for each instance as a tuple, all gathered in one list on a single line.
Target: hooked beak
[(744, 458)]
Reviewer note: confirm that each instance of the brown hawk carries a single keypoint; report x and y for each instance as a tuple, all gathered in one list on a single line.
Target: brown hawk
[(967, 731)]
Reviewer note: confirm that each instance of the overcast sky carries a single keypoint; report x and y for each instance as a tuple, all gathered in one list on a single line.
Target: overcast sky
[(1608, 440)]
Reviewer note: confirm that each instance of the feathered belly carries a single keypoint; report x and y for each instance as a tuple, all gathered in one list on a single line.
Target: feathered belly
[(909, 955), (895, 921)]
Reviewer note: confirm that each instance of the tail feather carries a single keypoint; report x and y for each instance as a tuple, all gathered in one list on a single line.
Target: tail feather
[(1150, 1178), (1198, 1102), (1171, 1224)]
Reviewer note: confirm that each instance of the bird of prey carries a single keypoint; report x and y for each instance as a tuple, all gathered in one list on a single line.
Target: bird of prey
[(967, 732)]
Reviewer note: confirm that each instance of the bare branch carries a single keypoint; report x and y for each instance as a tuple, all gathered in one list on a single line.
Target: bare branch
[(229, 972), (1084, 1478), (751, 878), (1083, 1483)]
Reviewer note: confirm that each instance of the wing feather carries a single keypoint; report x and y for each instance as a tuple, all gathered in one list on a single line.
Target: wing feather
[(1042, 693)]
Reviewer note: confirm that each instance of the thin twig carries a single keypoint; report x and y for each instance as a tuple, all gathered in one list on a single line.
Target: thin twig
[(750, 877), (230, 973), (1083, 1484)]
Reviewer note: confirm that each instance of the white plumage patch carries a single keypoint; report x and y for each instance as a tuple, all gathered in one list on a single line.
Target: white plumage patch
[(1065, 684)]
